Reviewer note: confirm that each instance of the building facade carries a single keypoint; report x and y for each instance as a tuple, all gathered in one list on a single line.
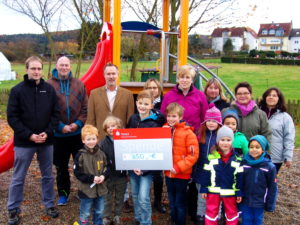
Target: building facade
[(294, 46)]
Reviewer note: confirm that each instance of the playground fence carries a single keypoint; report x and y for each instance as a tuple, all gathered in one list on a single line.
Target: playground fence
[(292, 105)]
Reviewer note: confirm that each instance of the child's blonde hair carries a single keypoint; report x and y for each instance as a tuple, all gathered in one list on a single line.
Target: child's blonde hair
[(175, 108), (145, 94), (112, 119), (88, 130)]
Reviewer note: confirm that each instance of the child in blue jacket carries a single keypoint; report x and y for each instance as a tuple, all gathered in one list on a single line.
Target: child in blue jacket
[(259, 183)]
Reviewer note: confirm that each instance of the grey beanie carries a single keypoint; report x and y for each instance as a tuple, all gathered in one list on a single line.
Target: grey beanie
[(224, 131)]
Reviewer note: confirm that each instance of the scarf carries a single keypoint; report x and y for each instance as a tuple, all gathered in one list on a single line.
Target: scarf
[(251, 161), (245, 110), (225, 158)]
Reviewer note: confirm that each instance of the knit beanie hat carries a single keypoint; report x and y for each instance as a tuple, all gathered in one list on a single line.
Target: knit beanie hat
[(262, 141), (231, 113), (213, 113), (224, 132)]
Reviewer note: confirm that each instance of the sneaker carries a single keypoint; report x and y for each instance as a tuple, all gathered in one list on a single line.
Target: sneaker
[(13, 217), (117, 220), (106, 221), (127, 208), (62, 200), (52, 212), (200, 220), (160, 207)]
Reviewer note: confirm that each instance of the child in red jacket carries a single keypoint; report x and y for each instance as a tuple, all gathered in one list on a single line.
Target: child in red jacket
[(185, 152)]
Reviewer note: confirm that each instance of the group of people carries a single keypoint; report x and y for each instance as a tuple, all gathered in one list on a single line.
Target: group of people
[(223, 154)]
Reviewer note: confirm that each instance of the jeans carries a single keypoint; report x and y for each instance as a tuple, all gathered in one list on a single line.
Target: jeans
[(140, 187), (23, 157), (63, 149), (252, 216), (88, 204), (201, 203), (116, 190), (177, 192)]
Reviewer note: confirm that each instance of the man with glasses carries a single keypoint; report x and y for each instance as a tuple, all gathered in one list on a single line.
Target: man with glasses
[(32, 112)]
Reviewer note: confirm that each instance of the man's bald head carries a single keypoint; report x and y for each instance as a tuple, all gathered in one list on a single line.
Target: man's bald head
[(63, 67)]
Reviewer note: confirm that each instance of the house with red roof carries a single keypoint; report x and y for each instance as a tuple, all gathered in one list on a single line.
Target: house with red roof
[(295, 41), (274, 36), (243, 38)]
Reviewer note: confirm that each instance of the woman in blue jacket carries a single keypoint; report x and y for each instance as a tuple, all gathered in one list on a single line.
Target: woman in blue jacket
[(259, 182)]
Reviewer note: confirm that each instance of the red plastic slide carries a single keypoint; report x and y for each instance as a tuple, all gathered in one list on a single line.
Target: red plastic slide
[(93, 78)]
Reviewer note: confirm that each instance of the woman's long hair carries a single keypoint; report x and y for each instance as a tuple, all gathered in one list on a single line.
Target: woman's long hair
[(281, 105)]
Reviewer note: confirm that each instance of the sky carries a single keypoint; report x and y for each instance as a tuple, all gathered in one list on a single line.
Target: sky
[(252, 13)]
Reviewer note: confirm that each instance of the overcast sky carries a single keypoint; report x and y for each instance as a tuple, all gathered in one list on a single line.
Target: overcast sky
[(253, 13)]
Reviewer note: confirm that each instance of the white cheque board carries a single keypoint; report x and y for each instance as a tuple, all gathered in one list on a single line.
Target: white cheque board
[(143, 148)]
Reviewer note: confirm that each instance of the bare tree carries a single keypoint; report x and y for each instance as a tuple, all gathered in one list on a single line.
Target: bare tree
[(41, 12)]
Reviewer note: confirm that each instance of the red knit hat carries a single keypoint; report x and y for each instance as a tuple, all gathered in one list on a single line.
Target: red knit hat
[(213, 113)]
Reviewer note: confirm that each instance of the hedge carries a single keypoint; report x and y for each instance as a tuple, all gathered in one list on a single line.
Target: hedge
[(265, 61)]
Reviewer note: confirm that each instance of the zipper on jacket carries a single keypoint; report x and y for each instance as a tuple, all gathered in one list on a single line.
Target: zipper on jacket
[(208, 145)]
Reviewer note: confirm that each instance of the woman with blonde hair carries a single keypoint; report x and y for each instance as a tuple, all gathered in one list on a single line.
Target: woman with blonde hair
[(214, 94)]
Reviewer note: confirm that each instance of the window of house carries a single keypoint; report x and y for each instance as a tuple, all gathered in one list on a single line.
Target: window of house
[(272, 32), (263, 41), (296, 42), (264, 31), (279, 32), (274, 47)]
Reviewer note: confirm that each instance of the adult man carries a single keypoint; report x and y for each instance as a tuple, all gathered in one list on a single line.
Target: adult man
[(109, 100), (72, 101), (32, 112)]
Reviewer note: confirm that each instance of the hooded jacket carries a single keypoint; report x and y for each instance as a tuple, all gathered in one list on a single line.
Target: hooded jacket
[(72, 101), (225, 179), (87, 165), (260, 185), (185, 151), (194, 104), (32, 109), (203, 156)]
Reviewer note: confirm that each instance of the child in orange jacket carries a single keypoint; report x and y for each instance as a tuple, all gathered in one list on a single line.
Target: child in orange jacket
[(185, 152)]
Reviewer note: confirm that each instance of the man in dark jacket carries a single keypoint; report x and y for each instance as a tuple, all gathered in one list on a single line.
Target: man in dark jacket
[(32, 112), (72, 101)]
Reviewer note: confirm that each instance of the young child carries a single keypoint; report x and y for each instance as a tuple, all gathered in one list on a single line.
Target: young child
[(222, 180), (240, 143), (141, 180), (117, 181), (260, 183), (90, 170), (185, 152), (212, 122)]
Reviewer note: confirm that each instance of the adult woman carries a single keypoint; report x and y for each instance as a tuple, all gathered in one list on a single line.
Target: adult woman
[(214, 94), (195, 105), (154, 87), (253, 121), (188, 96), (283, 128)]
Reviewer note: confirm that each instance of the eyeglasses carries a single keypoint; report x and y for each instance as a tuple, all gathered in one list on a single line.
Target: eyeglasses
[(35, 68), (152, 88), (244, 93)]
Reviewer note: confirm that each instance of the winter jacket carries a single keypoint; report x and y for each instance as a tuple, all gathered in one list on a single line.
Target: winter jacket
[(155, 119), (72, 101), (256, 122), (194, 104), (32, 109), (185, 151), (220, 104), (89, 164), (240, 144), (107, 146), (225, 179), (283, 137), (204, 152), (260, 185)]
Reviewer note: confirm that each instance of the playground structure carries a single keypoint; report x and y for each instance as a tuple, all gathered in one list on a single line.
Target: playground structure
[(109, 50)]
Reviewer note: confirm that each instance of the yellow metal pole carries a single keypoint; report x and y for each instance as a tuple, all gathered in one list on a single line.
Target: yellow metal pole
[(166, 8), (106, 11), (117, 34), (183, 40)]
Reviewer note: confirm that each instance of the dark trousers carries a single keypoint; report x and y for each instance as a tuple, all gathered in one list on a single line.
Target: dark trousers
[(278, 166), (63, 149), (157, 186), (192, 198), (177, 198)]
